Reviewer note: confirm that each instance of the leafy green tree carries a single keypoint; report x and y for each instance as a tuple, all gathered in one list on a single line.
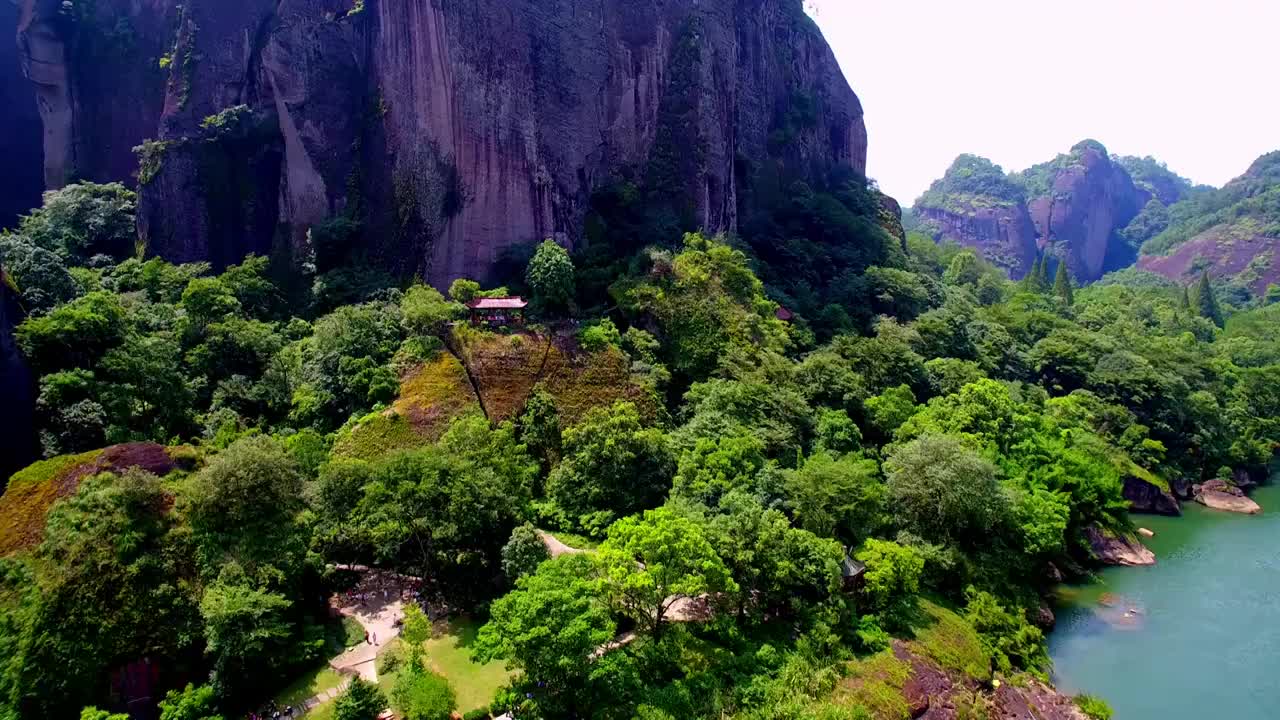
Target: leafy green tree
[(774, 565), (1207, 301), (836, 432), (523, 553), (613, 466), (890, 409), (445, 512), (463, 290), (942, 490), (1012, 642), (549, 629), (253, 289), (420, 694), (713, 467), (82, 220), (833, 497), (40, 274), (650, 563), (248, 635), (550, 275), (109, 587), (983, 413), (426, 312), (361, 700), (190, 703), (892, 580), (74, 335), (538, 427), (705, 301), (93, 713), (948, 375), (208, 300), (242, 507)]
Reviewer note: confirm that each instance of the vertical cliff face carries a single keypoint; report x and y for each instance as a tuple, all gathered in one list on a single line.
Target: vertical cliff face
[(17, 421), (452, 131), (97, 76), (22, 179), (1089, 200), (976, 205), (1073, 207), (1004, 235)]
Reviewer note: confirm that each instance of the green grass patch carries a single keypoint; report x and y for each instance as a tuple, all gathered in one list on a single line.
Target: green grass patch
[(432, 395), (448, 653), (946, 638), (309, 685), (876, 683), (30, 494)]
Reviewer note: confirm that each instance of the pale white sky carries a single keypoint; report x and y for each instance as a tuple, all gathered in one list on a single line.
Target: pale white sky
[(1195, 83)]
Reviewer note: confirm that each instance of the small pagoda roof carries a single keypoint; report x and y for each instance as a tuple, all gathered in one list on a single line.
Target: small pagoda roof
[(498, 303)]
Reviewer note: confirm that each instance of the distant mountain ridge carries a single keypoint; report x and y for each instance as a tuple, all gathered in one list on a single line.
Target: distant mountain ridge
[(1077, 207), (1232, 233)]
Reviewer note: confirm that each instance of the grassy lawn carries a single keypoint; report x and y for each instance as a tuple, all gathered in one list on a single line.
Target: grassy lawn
[(448, 654), (313, 683)]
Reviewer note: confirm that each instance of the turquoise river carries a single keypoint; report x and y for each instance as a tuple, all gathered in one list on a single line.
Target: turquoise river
[(1194, 637)]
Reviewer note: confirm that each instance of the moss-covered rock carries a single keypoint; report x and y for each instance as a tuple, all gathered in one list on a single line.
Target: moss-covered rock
[(431, 396), (34, 489)]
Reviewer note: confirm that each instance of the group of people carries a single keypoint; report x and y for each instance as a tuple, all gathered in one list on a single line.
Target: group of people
[(272, 712), (383, 587)]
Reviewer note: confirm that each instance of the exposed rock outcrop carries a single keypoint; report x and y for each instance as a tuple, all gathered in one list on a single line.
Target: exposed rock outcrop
[(17, 386), (454, 132), (35, 488), (1145, 497), (97, 75), (1220, 495), (1088, 200), (1072, 208), (1003, 234), (1232, 233), (1112, 549), (22, 179)]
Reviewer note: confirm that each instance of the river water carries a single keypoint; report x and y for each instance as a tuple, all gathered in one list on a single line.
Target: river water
[(1195, 637)]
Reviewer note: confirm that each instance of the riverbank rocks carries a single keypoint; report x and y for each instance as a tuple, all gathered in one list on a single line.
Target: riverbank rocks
[(1146, 497), (1181, 488), (1112, 549), (1033, 700), (1220, 495)]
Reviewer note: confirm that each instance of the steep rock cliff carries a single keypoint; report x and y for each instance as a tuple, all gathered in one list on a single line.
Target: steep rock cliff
[(975, 205), (1003, 234), (1080, 203), (98, 81), (1075, 207), (22, 180), (17, 387), (451, 131)]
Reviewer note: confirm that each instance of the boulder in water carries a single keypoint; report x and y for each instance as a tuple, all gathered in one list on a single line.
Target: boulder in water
[(1112, 549), (1220, 495)]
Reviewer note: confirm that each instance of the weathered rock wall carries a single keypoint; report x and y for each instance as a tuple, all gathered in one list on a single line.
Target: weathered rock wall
[(97, 75), (17, 387), (1079, 220), (453, 131), (23, 178), (1003, 235)]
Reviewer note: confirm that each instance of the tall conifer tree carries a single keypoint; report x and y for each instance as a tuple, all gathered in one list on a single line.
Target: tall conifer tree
[(1207, 301), (1062, 285)]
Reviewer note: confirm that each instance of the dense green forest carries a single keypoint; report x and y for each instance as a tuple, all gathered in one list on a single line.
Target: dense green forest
[(958, 434)]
